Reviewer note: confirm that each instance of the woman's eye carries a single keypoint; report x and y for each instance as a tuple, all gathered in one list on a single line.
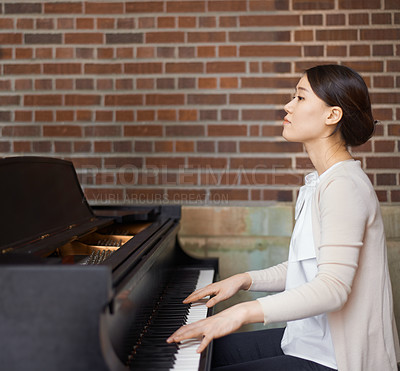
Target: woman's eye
[(299, 97)]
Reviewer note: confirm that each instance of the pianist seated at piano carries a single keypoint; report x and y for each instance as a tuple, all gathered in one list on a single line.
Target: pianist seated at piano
[(334, 291)]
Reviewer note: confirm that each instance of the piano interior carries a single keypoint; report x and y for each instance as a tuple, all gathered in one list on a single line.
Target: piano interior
[(97, 246)]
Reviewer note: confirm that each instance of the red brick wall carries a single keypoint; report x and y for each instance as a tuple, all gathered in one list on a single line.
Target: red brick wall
[(181, 101)]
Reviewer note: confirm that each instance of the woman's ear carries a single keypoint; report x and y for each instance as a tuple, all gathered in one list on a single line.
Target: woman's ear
[(335, 115)]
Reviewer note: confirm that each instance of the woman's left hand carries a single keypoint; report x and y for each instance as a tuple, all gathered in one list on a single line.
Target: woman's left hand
[(219, 325)]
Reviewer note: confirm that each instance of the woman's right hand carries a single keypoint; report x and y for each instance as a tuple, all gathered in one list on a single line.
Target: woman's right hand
[(221, 290)]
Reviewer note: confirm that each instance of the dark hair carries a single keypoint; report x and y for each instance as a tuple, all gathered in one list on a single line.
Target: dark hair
[(341, 86)]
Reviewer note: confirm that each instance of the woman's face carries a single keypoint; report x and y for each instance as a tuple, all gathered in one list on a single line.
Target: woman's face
[(307, 116)]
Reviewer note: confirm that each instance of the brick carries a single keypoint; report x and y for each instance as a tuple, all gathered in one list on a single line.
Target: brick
[(62, 131), (312, 19), (269, 51), (63, 8), (335, 19), (227, 147), (82, 100), (381, 18), (10, 38), (258, 98), (384, 146), (164, 99), (335, 35), (262, 5), (206, 51), (102, 131), (42, 100), (123, 100), (227, 130), (225, 67), (380, 34), (383, 162), (188, 115), (62, 68), (366, 66), (83, 38), (44, 116), (260, 163), (267, 146), (229, 82), (124, 38), (165, 22), (144, 146), (85, 24), (385, 98), (43, 84), (358, 19), (185, 130), (20, 116), (230, 115), (207, 83), (22, 8), (5, 116), (184, 67), (356, 4), (21, 131), (166, 115), (144, 7), (166, 37), (104, 116), (186, 6), (393, 66), (184, 146), (227, 51), (208, 99), (383, 50), (391, 4), (41, 146), (360, 50), (207, 162), (43, 39), (21, 69), (103, 68), (44, 24), (383, 82), (143, 130), (208, 37), (262, 114), (23, 53), (205, 146), (313, 4), (259, 36), (104, 7), (165, 162), (127, 52)]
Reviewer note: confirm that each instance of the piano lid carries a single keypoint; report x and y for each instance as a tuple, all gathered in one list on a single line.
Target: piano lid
[(39, 196)]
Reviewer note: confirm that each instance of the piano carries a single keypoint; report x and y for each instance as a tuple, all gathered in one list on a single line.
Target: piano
[(91, 288)]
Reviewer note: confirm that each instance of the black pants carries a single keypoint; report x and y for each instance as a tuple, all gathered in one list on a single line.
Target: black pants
[(257, 350)]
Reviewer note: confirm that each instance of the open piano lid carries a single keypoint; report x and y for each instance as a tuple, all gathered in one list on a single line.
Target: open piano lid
[(41, 199)]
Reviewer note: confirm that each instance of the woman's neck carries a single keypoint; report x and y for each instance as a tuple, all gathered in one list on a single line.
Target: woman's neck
[(326, 153)]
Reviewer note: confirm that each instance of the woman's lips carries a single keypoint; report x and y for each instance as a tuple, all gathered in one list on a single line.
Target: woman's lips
[(286, 121)]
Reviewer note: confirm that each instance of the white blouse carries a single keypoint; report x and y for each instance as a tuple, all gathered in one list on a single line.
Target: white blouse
[(308, 338)]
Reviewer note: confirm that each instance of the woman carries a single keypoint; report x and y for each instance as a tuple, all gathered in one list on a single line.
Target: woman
[(336, 292)]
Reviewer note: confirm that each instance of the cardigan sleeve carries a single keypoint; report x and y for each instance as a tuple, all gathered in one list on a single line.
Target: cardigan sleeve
[(343, 216), (270, 279)]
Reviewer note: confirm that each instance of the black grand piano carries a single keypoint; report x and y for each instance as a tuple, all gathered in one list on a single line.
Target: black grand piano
[(90, 288)]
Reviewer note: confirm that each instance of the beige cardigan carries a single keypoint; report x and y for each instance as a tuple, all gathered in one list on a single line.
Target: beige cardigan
[(353, 284)]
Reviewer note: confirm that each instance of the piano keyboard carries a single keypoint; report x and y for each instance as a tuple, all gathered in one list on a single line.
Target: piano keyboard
[(152, 352), (187, 358)]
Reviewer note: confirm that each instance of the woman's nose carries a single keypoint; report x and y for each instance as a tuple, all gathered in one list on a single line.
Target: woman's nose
[(288, 107)]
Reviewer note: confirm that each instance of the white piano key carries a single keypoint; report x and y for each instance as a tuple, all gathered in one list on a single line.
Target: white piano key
[(187, 359)]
